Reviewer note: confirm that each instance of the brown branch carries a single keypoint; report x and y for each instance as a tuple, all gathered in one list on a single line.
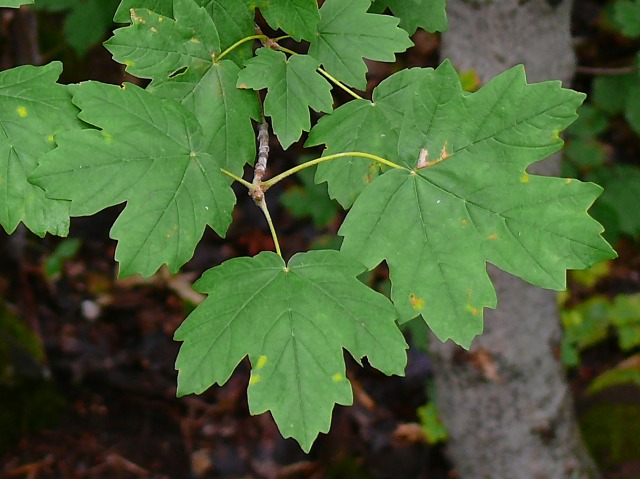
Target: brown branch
[(606, 71), (257, 192)]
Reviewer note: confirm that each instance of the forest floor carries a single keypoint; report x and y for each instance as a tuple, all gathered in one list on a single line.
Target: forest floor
[(107, 408)]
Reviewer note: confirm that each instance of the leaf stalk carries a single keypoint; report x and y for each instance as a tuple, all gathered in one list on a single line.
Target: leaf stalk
[(269, 183), (262, 204), (327, 75), (238, 43)]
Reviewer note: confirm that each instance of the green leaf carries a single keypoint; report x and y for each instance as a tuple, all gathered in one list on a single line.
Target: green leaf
[(310, 200), (632, 108), (177, 56), (347, 34), (55, 5), (610, 93), (433, 427), (161, 7), (618, 376), (585, 152), (298, 18), (625, 315), (373, 127), (67, 249), (35, 109), (428, 14), (293, 322), (585, 325), (179, 31), (591, 122), (87, 21), (14, 3), (621, 192), (437, 226), (626, 14), (293, 86), (157, 47), (150, 153)]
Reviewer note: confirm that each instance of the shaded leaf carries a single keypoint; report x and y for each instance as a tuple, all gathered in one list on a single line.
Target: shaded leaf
[(626, 14), (298, 18), (293, 321), (621, 192), (310, 200), (86, 23), (149, 153), (15, 3)]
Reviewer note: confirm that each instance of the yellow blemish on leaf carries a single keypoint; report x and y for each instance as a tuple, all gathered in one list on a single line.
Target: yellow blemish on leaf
[(262, 362), (22, 112), (194, 40), (160, 19), (135, 18), (524, 178), (129, 63), (192, 154), (255, 379), (337, 377), (493, 236), (470, 80), (373, 169), (154, 29), (107, 136), (568, 180), (465, 222), (469, 307), (51, 139), (417, 303)]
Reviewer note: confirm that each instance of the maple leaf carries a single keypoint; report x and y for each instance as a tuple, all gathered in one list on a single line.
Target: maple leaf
[(471, 201), (14, 3), (34, 110), (626, 14), (293, 86), (293, 321), (161, 7), (85, 23), (149, 153), (428, 14), (299, 18), (347, 34), (374, 127), (177, 54)]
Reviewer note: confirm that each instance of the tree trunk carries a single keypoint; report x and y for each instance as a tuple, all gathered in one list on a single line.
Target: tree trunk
[(506, 402)]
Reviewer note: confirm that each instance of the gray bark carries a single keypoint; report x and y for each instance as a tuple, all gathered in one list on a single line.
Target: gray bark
[(506, 402)]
